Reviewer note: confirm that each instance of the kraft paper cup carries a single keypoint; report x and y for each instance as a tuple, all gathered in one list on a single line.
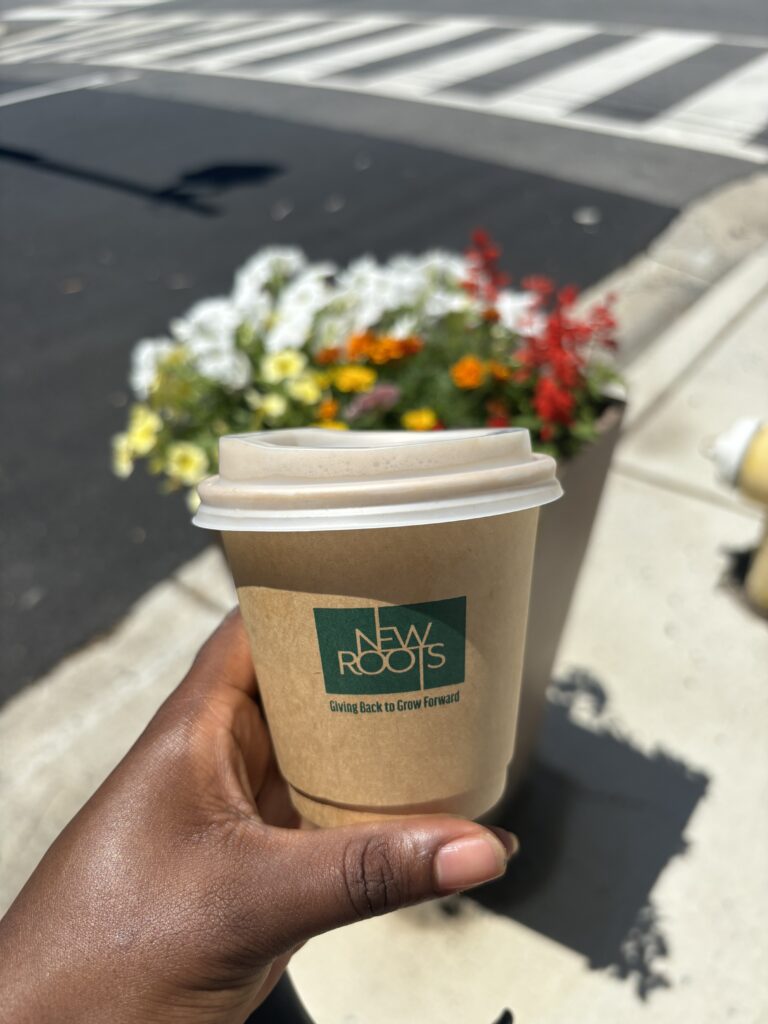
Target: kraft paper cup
[(384, 581)]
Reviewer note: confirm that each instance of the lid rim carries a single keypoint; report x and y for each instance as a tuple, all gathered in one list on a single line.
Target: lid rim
[(210, 517)]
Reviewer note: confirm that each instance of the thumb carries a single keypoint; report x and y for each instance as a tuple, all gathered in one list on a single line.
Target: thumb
[(330, 877)]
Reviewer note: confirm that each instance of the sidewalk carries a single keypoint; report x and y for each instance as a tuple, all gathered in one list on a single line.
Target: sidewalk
[(651, 798)]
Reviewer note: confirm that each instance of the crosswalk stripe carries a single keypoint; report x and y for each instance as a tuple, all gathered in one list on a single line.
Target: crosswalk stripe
[(588, 79), (243, 55), (72, 14), (73, 38), (428, 77), (113, 40), (583, 76), (119, 3), (735, 107), (204, 39), (23, 39), (344, 58)]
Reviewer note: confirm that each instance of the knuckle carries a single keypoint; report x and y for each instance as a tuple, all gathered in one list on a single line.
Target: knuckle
[(372, 877)]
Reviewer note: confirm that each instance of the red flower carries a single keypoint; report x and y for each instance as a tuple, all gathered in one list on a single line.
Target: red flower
[(568, 295), (539, 284), (552, 402), (484, 277), (547, 432), (497, 421)]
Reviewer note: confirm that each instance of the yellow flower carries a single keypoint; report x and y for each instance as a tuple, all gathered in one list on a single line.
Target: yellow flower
[(285, 365), (305, 390), (186, 463), (274, 406), (331, 425), (354, 378), (324, 379), (419, 419), (122, 456), (193, 500), (143, 427)]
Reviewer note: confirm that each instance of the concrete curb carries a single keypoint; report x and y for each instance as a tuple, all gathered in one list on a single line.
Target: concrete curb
[(656, 371), (711, 237)]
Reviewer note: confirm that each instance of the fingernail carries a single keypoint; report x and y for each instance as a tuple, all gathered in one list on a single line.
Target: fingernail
[(469, 861), (508, 839)]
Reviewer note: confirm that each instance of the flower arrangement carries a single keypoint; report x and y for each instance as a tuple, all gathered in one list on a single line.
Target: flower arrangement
[(418, 343)]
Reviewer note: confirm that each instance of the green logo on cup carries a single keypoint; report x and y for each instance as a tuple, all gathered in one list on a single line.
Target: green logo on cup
[(394, 649)]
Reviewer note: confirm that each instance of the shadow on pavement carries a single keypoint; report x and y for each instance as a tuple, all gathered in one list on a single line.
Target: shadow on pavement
[(598, 820), (189, 192)]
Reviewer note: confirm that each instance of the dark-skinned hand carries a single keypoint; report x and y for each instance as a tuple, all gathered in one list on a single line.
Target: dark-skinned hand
[(183, 886)]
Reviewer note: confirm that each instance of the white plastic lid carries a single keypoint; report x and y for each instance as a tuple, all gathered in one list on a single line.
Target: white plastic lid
[(728, 449), (315, 479)]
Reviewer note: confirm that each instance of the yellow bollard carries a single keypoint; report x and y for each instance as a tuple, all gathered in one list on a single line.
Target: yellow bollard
[(741, 458)]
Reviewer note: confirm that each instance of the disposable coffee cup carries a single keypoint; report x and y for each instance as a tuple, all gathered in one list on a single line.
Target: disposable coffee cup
[(384, 579)]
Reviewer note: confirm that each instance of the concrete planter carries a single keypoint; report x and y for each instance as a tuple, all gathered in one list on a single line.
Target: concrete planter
[(564, 531)]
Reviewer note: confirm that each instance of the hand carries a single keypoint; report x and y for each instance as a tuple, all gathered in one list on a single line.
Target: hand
[(181, 889)]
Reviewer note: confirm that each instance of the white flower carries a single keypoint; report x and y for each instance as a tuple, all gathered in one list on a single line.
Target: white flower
[(404, 327), (210, 324), (440, 302), (145, 359), (443, 266), (208, 333), (298, 305), (268, 266), (254, 308), (227, 366), (515, 309)]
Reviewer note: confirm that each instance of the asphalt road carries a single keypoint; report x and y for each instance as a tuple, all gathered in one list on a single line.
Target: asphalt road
[(97, 252)]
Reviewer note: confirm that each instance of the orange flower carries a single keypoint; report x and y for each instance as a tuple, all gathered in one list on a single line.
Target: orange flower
[(469, 372), (328, 409), (359, 345), (383, 349), (386, 349), (499, 371), (326, 356), (412, 345)]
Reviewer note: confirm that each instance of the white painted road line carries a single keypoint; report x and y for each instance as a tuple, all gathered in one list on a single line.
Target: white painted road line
[(735, 107), (245, 54), (113, 40), (442, 72), (51, 14), (107, 4), (588, 79), (208, 40), (73, 39), (39, 92), (24, 39), (356, 55)]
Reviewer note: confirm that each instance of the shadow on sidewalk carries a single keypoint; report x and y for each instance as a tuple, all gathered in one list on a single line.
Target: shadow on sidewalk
[(598, 822)]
